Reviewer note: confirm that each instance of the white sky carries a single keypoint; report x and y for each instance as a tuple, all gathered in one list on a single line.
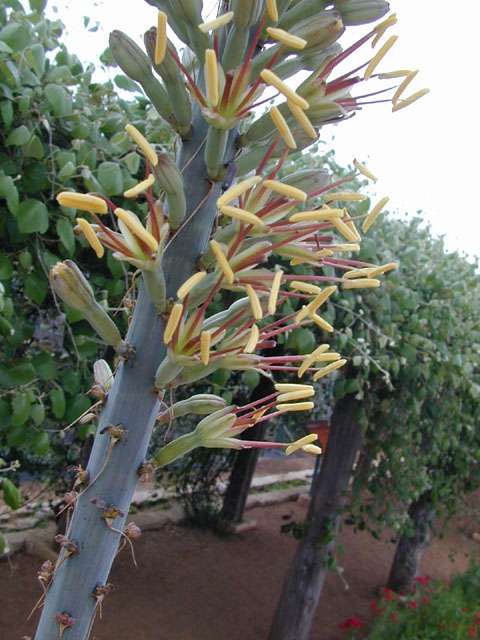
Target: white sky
[(425, 155)]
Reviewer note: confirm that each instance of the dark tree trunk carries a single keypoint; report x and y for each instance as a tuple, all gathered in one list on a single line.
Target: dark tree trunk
[(410, 548), (304, 580), (245, 463)]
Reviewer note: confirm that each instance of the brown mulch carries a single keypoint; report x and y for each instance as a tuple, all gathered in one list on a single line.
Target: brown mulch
[(191, 585)]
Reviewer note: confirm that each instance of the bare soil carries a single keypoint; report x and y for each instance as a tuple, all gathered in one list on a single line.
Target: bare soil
[(192, 585)]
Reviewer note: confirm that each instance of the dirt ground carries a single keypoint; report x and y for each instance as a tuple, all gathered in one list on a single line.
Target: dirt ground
[(191, 585)]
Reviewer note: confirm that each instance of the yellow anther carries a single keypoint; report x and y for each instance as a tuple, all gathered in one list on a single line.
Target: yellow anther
[(373, 215), (322, 296), (140, 187), (394, 74), (135, 226), (241, 214), (329, 368), (211, 74), (345, 230), (363, 169), (311, 359), (161, 41), (303, 313), (413, 98), (272, 10), (301, 442), (252, 340), (82, 201), (205, 339), (361, 283), (173, 321), (285, 387), (286, 190), (343, 247), (271, 78), (378, 57), (358, 273), (344, 195), (273, 297), (402, 86), (312, 448), (237, 190), (143, 143), (351, 225), (254, 303), (289, 396), (382, 27), (287, 38), (283, 128), (306, 287), (321, 322), (295, 406), (188, 285), (217, 23), (91, 237), (222, 261), (382, 269), (302, 120)]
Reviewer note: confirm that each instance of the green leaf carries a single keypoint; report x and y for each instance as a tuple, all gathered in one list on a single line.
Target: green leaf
[(16, 373), (57, 399), (8, 190), (3, 545), (32, 216), (18, 137), (66, 235), (36, 288), (37, 5), (126, 84), (132, 160), (34, 149), (6, 108), (66, 171), (45, 366), (110, 177), (35, 56), (251, 379), (59, 99), (41, 443), (37, 414), (16, 436), (305, 341), (16, 36), (79, 405), (20, 409), (6, 267), (11, 495)]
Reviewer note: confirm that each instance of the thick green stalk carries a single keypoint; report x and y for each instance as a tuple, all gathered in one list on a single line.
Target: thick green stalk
[(133, 403)]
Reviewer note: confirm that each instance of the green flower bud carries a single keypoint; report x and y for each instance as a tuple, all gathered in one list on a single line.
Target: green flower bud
[(355, 12), (103, 375), (129, 57), (200, 404), (156, 286), (170, 179), (246, 13), (319, 31), (166, 373), (308, 180)]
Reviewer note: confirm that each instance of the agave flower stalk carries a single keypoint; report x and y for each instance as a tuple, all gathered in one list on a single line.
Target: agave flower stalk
[(203, 233)]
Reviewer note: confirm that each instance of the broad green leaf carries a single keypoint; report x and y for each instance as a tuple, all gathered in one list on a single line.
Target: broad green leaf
[(16, 36), (57, 399), (34, 149), (36, 288), (110, 177), (127, 84), (37, 414), (251, 379), (6, 109), (11, 495), (41, 443), (75, 409), (16, 436), (6, 267), (37, 5), (35, 56), (9, 191), (132, 160), (16, 373), (45, 366), (18, 137), (59, 99), (32, 216), (305, 340), (66, 235), (20, 409), (66, 171)]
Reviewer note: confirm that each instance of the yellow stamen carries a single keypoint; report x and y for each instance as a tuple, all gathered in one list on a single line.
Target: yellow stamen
[(286, 190), (273, 297), (301, 442), (305, 287), (320, 299), (319, 214), (91, 237), (222, 261), (381, 53), (143, 143), (254, 303), (289, 386), (252, 340), (344, 229), (241, 214), (82, 201), (303, 313), (191, 282), (283, 128), (324, 253), (382, 27), (363, 169), (272, 10), (213, 25), (211, 73), (394, 74), (137, 228), (237, 190), (382, 269), (323, 324), (361, 283), (358, 273), (161, 41), (173, 320), (329, 368), (372, 216), (312, 448), (140, 187), (302, 119), (350, 224), (344, 247), (295, 406), (413, 98), (403, 85), (205, 339), (271, 78), (344, 195), (289, 396), (286, 38), (311, 359)]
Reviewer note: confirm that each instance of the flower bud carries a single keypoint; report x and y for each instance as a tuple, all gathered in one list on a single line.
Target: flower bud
[(319, 31), (200, 404), (71, 285), (170, 179), (167, 372), (103, 377), (355, 12), (246, 12), (129, 57)]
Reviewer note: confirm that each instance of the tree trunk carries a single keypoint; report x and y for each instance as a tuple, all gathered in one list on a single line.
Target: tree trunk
[(304, 580), (410, 547), (245, 463)]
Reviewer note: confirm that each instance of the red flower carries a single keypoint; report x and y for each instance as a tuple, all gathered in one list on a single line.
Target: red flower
[(472, 632), (388, 595), (442, 624), (413, 604), (394, 617), (426, 600), (351, 623), (373, 606), (422, 580)]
